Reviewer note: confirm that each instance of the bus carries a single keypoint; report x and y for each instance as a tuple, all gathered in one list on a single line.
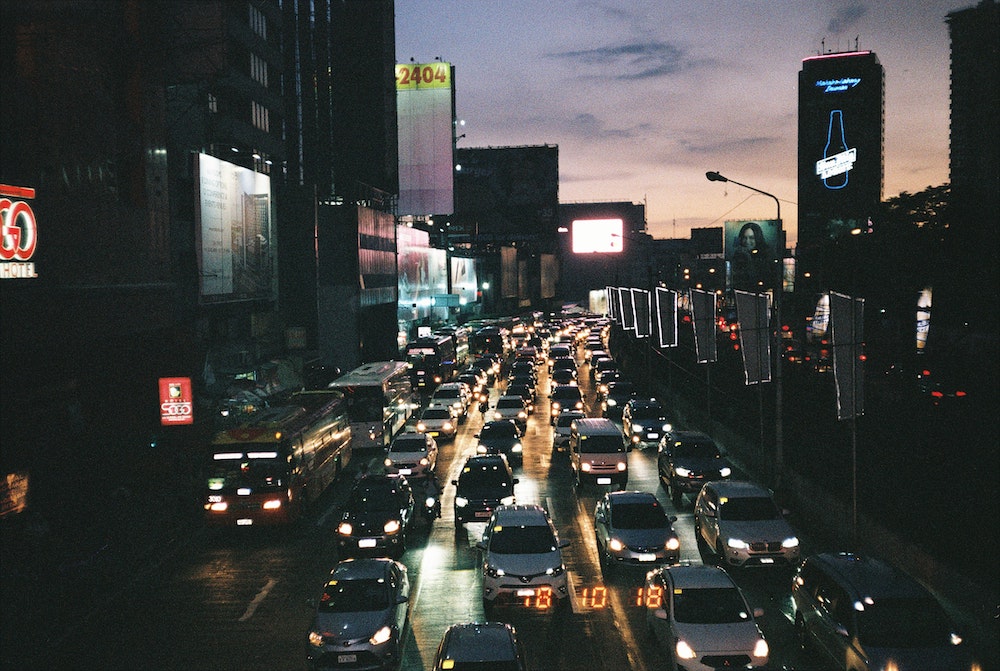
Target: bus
[(266, 471), (380, 400), (432, 360)]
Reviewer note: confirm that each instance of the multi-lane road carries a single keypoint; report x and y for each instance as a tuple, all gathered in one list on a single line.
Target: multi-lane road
[(241, 600)]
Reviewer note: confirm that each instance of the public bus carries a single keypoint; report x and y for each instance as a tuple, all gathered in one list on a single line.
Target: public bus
[(380, 400), (266, 471), (432, 360)]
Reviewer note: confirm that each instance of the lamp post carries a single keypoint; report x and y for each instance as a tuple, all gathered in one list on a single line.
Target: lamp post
[(778, 288)]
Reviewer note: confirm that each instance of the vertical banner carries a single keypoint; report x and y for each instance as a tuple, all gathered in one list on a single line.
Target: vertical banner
[(628, 312), (612, 312), (616, 298), (703, 315), (176, 401), (666, 317), (643, 321), (846, 333), (751, 312)]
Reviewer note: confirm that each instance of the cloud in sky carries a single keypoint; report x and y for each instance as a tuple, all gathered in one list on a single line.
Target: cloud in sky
[(846, 18), (636, 60)]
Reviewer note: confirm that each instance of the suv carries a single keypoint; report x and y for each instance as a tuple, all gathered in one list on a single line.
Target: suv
[(702, 618), (564, 397), (480, 645), (522, 559), (413, 455), (485, 483), (457, 395), (597, 452), (859, 613), (644, 421), (687, 460), (741, 524)]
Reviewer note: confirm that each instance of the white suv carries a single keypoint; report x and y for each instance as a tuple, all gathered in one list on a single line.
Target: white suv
[(522, 559)]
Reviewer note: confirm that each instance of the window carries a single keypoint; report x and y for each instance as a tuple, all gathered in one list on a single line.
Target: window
[(258, 23), (261, 117)]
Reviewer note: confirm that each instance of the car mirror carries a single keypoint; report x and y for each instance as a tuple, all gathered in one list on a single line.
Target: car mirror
[(672, 518), (758, 613), (842, 631), (563, 544), (599, 518), (402, 598), (514, 481), (660, 613), (481, 545), (475, 435), (454, 482)]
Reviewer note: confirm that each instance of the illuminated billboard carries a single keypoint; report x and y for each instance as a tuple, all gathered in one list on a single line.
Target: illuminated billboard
[(751, 250), (18, 232), (424, 116), (233, 223), (463, 279), (422, 272), (597, 236)]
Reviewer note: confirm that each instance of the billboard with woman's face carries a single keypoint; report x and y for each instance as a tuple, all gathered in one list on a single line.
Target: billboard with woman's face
[(751, 249)]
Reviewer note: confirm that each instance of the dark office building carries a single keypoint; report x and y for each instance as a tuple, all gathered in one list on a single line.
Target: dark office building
[(841, 151)]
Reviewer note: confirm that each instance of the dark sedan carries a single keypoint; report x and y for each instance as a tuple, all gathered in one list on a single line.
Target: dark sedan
[(501, 437), (375, 517)]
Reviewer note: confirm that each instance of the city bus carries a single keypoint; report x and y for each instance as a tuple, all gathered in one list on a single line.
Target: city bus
[(380, 400), (432, 360), (266, 471)]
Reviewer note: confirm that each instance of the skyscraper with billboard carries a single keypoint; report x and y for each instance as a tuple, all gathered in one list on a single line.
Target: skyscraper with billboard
[(841, 149)]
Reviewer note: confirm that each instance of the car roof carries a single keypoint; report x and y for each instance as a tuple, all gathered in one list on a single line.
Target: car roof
[(631, 497), (645, 403), (411, 437), (479, 641), (689, 436), (485, 460), (522, 514), (870, 576), (699, 576), (735, 489), (366, 568)]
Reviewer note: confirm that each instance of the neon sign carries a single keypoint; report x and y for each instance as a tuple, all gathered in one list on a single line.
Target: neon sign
[(838, 159), (838, 85), (18, 232)]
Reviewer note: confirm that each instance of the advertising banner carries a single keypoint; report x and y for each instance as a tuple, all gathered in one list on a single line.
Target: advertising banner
[(628, 311), (755, 343), (643, 320), (424, 104), (751, 251), (703, 315), (18, 232), (666, 317), (847, 333), (176, 401)]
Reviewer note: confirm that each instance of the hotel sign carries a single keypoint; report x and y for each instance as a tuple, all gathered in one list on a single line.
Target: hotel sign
[(18, 232)]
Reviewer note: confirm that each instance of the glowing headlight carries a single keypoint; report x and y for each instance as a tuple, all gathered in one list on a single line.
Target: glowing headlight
[(725, 472), (736, 544), (760, 648), (667, 427), (585, 467), (430, 502), (637, 428), (447, 426), (612, 402), (682, 472), (517, 447), (315, 638), (615, 545), (792, 542), (421, 427), (424, 461), (345, 529), (555, 407), (507, 501), (684, 651), (622, 466), (481, 449), (218, 507), (273, 504), (381, 636), (579, 405), (673, 544), (387, 462), (522, 415), (391, 527), (461, 501)]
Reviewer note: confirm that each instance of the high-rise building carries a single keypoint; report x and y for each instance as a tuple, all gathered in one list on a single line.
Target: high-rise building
[(841, 150)]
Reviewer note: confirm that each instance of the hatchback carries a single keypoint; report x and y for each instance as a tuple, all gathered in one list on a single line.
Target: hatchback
[(699, 615), (360, 616), (632, 529), (476, 646)]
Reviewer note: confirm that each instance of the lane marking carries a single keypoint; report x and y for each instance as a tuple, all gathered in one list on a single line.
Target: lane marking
[(257, 600)]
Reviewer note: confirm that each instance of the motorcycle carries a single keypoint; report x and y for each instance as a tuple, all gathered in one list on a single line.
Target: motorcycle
[(431, 508)]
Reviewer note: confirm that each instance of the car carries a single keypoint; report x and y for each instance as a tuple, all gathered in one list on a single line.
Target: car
[(563, 363), (523, 368), (563, 376), (560, 351), (375, 517), (686, 460), (438, 421), (501, 436), (857, 613), (511, 407), (618, 394), (564, 396), (593, 348), (598, 453), (413, 455), (632, 529), (702, 620), (604, 370), (360, 616), (475, 646), (484, 483), (476, 380), (524, 391), (561, 428), (739, 522), (644, 420), (522, 559), (457, 395)]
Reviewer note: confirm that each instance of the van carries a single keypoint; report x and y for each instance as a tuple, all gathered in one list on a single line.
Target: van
[(598, 452)]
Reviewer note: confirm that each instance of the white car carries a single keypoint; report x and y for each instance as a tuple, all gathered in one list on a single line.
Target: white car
[(413, 455), (438, 421), (511, 407), (699, 615), (457, 395), (522, 560)]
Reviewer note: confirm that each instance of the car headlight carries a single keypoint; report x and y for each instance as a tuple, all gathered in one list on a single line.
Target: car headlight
[(381, 636), (345, 529), (585, 467), (555, 407), (507, 500), (218, 506), (493, 572), (387, 462), (667, 427), (673, 544), (424, 461), (612, 402), (517, 447), (391, 527), (430, 501), (481, 449), (637, 428), (522, 415), (737, 544), (461, 501), (682, 472), (421, 427), (725, 472), (615, 545), (622, 466), (316, 639), (684, 651), (760, 648), (271, 504), (447, 426), (792, 542), (555, 570)]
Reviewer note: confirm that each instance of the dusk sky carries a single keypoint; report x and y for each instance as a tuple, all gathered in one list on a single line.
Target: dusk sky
[(643, 97)]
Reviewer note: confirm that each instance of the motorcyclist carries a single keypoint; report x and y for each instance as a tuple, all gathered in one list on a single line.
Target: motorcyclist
[(432, 498)]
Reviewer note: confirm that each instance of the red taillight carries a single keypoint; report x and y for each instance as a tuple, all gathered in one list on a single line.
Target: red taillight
[(959, 393), (937, 394)]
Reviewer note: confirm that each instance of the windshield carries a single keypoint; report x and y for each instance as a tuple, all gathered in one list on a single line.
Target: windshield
[(904, 623), (409, 444), (563, 394), (483, 477), (353, 596), (437, 413), (498, 431), (651, 412), (365, 404), (720, 605), (601, 444), (242, 469), (749, 508), (535, 539), (639, 516), (511, 403), (696, 450), (385, 496)]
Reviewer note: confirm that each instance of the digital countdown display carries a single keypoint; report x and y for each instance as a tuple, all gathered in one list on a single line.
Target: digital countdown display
[(589, 598)]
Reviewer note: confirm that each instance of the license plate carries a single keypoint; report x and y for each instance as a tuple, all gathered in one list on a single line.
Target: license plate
[(435, 434), (366, 543), (482, 513), (245, 522), (654, 435), (647, 557), (346, 659), (405, 471), (604, 481), (766, 560), (526, 592)]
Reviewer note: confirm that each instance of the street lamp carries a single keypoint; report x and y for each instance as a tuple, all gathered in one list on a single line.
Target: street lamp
[(778, 428)]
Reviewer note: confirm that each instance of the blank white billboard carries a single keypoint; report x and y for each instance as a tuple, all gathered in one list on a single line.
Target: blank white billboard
[(424, 95)]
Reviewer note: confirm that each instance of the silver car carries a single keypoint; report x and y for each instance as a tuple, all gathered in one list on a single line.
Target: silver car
[(632, 529), (360, 616), (413, 455)]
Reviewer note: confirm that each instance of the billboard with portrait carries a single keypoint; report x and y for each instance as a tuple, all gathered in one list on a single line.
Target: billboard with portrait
[(751, 250)]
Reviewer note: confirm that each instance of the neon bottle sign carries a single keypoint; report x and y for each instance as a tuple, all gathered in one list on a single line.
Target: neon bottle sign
[(837, 159)]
